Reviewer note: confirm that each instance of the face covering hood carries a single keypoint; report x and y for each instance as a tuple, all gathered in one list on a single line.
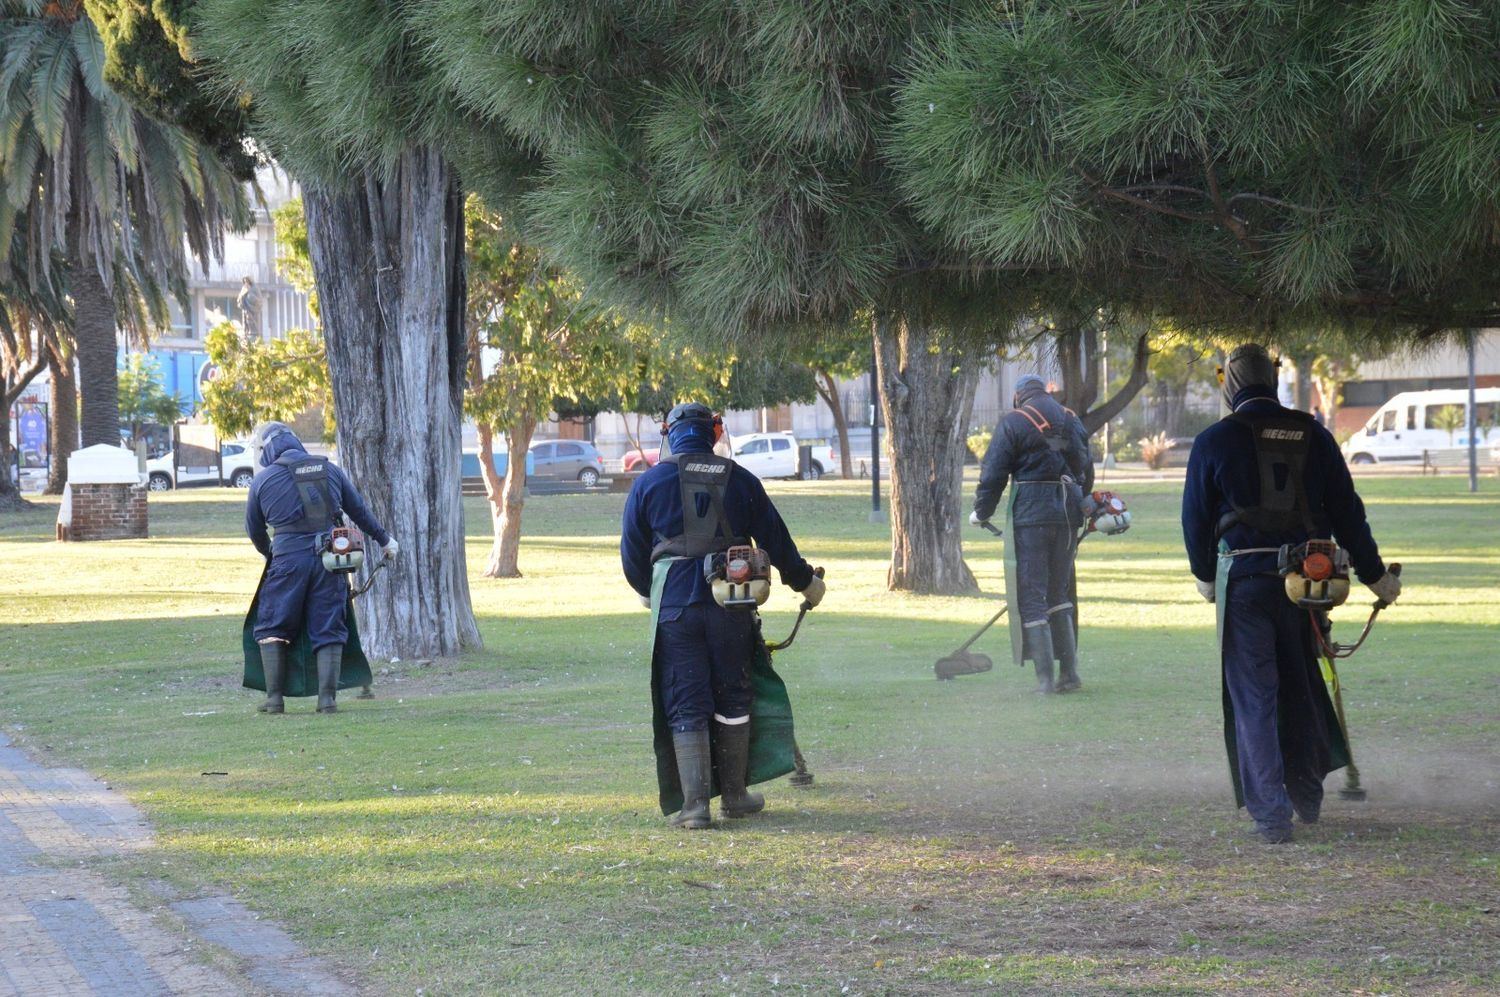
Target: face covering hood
[(1249, 367), (271, 440), (693, 436)]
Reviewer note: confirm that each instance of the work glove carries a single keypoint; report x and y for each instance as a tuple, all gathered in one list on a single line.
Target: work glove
[(814, 591), (645, 601), (976, 520), (391, 549), (1387, 587), (1206, 589)]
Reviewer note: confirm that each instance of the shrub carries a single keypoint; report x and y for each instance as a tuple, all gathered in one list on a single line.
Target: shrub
[(979, 442), (1154, 450)]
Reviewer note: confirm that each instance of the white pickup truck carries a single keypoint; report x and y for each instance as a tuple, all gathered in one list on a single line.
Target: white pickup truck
[(163, 475), (774, 455)]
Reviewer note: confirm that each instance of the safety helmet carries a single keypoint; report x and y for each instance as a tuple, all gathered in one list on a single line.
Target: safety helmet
[(689, 412), (1248, 364)]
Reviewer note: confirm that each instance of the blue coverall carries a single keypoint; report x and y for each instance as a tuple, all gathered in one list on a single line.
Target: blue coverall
[(297, 590), (1042, 523), (702, 649), (1270, 668)]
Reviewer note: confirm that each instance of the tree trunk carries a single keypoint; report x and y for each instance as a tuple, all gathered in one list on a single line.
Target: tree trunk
[(927, 394), (10, 495), (828, 390), (635, 440), (13, 384), (94, 340), (1302, 391), (388, 262), (1139, 367), (507, 498), (64, 418)]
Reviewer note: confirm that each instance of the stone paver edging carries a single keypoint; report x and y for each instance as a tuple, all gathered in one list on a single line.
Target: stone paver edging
[(66, 930)]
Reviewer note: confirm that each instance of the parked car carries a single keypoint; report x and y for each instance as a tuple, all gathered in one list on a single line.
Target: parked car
[(162, 474), (1414, 421), (639, 460), (469, 463), (568, 460), (774, 455)]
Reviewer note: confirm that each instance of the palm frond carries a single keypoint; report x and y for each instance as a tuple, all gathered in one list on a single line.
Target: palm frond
[(89, 48), (52, 92)]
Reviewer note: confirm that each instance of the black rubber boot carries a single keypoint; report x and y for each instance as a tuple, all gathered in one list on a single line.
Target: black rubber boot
[(1037, 642), (330, 660), (695, 772), (1065, 646), (273, 663), (732, 755)]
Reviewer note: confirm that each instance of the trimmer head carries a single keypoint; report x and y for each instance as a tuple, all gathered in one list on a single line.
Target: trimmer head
[(1352, 794), (962, 663)]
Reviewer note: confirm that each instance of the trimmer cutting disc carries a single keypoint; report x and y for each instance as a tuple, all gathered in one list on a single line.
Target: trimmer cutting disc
[(962, 663)]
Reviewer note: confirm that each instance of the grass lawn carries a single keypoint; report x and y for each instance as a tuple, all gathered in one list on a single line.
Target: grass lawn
[(488, 824)]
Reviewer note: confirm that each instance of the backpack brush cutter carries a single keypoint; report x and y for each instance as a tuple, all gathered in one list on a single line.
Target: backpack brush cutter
[(964, 661), (800, 776), (1104, 513), (1329, 651)]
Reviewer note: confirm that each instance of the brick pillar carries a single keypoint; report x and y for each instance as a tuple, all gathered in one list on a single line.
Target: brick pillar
[(108, 512)]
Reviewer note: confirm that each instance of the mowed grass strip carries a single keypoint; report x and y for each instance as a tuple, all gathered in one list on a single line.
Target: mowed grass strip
[(489, 823)]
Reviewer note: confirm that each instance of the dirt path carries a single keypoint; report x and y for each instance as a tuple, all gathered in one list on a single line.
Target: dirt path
[(68, 930)]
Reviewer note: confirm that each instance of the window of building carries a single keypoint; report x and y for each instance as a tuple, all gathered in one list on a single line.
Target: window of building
[(218, 309), (180, 323)]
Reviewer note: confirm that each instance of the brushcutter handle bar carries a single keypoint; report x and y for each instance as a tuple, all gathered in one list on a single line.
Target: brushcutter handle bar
[(992, 528)]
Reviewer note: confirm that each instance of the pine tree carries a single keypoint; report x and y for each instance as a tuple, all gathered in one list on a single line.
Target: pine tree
[(1256, 166), (725, 164)]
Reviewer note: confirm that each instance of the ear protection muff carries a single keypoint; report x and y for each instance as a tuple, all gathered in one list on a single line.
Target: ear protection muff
[(718, 424)]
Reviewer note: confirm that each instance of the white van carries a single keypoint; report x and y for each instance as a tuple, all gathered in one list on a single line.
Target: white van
[(1415, 421)]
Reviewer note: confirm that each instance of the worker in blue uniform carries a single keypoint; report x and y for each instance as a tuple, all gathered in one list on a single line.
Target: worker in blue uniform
[(1262, 478), (691, 506), (1042, 448), (299, 498)]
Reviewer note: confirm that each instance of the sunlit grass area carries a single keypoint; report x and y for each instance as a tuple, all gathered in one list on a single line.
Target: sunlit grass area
[(489, 823)]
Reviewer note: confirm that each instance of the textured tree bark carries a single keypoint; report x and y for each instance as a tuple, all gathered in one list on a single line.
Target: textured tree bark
[(927, 395), (16, 379), (828, 390), (10, 495), (64, 417), (1078, 359), (388, 262), (94, 342), (507, 497)]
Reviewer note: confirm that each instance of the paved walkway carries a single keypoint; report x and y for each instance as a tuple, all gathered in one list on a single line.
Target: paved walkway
[(66, 930)]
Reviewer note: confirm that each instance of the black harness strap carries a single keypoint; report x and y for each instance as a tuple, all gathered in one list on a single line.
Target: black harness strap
[(319, 511), (704, 531), (1282, 445)]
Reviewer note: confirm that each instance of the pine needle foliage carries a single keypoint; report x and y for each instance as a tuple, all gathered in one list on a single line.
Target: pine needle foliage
[(721, 162), (1262, 162)]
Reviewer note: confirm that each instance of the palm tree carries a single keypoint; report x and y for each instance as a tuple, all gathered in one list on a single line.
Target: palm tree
[(111, 192)]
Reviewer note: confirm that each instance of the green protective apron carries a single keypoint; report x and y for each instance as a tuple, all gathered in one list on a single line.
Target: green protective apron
[(1338, 748), (302, 666), (1014, 622), (772, 745)]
